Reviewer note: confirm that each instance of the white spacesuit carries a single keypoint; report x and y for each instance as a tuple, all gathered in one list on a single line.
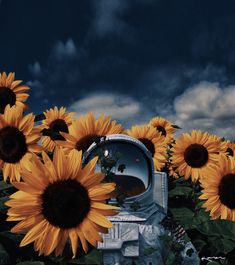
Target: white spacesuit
[(140, 233)]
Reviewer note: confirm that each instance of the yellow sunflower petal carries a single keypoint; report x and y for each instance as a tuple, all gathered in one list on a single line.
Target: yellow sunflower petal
[(63, 237), (103, 206), (88, 169), (51, 239), (27, 224), (15, 84), (92, 180), (19, 194), (82, 239), (74, 241), (74, 163), (26, 124), (90, 234), (101, 189), (20, 88), (49, 166), (60, 162), (33, 233), (35, 148), (27, 188), (99, 219)]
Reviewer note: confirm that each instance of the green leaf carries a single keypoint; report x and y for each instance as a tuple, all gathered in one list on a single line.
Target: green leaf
[(77, 261), (93, 257), (182, 213), (180, 191), (148, 251), (177, 247), (173, 259), (184, 216), (199, 205), (170, 259), (14, 237), (179, 180), (166, 238), (4, 256), (213, 263), (224, 228), (31, 263), (199, 244), (4, 185), (2, 202), (11, 243), (221, 244), (176, 126), (201, 217)]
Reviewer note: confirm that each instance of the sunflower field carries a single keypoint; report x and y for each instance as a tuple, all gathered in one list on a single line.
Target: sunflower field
[(53, 208)]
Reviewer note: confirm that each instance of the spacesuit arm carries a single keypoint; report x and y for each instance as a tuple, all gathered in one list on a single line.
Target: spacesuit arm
[(179, 249)]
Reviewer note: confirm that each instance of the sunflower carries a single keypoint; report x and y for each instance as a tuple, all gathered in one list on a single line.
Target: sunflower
[(12, 92), (58, 120), (86, 130), (60, 200), (223, 145), (163, 126), (153, 141), (219, 190), (196, 154), (18, 141)]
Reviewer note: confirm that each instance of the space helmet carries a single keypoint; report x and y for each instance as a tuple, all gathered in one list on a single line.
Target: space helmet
[(127, 162)]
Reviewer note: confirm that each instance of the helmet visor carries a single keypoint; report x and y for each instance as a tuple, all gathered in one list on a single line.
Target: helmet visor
[(125, 164)]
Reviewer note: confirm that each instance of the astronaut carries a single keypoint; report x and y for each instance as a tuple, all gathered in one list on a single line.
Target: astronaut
[(142, 233)]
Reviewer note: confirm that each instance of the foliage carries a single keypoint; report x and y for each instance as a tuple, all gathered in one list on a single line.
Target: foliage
[(11, 253), (211, 238)]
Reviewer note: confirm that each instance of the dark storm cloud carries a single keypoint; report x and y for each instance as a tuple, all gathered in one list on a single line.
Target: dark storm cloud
[(106, 17), (148, 51), (29, 30), (216, 41), (57, 81), (109, 16), (162, 84), (64, 81)]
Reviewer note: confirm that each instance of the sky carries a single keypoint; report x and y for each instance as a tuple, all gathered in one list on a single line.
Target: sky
[(131, 59)]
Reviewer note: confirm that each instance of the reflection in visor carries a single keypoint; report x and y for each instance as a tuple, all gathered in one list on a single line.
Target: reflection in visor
[(125, 164)]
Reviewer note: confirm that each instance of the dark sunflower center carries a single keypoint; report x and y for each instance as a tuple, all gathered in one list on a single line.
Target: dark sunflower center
[(161, 130), (7, 96), (65, 203), (57, 126), (85, 142), (12, 144), (227, 190), (149, 145), (196, 155), (230, 151)]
